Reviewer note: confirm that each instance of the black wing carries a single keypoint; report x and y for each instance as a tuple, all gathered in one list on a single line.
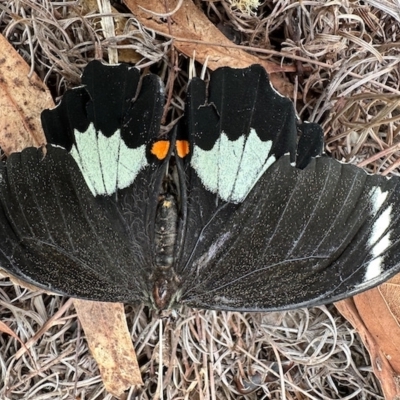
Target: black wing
[(301, 238), (57, 236), (79, 220), (298, 237)]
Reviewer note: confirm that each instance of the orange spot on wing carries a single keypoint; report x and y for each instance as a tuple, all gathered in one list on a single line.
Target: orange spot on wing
[(182, 148), (160, 149)]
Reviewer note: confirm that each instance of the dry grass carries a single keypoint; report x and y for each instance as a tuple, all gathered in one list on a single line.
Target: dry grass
[(205, 354), (353, 93)]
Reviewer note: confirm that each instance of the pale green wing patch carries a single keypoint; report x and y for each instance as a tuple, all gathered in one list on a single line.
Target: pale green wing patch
[(106, 163), (231, 168)]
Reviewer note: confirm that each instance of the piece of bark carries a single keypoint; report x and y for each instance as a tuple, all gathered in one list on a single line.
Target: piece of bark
[(110, 343), (22, 99)]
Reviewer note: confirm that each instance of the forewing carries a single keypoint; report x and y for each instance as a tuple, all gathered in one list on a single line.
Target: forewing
[(237, 128), (301, 238), (109, 125), (310, 144)]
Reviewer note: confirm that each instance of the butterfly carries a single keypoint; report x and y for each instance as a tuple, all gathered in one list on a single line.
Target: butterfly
[(237, 208)]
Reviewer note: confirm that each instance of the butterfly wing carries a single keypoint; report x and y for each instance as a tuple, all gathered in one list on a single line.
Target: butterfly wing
[(301, 238), (277, 231), (61, 240), (79, 219)]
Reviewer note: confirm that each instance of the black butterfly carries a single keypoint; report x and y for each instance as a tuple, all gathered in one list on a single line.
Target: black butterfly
[(229, 212)]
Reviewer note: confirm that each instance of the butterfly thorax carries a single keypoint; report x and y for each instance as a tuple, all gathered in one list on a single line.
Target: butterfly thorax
[(165, 281)]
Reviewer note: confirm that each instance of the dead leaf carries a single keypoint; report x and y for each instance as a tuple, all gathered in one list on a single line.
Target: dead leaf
[(189, 22), (22, 99), (376, 310), (367, 313), (110, 343), (390, 291)]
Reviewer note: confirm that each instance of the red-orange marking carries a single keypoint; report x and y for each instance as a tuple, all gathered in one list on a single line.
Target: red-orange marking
[(182, 148), (160, 149)]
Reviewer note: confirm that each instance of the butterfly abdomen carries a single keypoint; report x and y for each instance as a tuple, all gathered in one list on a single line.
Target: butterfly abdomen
[(166, 229), (166, 281)]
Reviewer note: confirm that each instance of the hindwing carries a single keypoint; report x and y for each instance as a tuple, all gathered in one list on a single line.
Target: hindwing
[(301, 238)]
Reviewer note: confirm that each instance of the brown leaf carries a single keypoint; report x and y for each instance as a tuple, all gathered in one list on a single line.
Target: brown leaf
[(378, 308), (22, 98), (369, 314), (110, 343), (190, 23), (390, 291)]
